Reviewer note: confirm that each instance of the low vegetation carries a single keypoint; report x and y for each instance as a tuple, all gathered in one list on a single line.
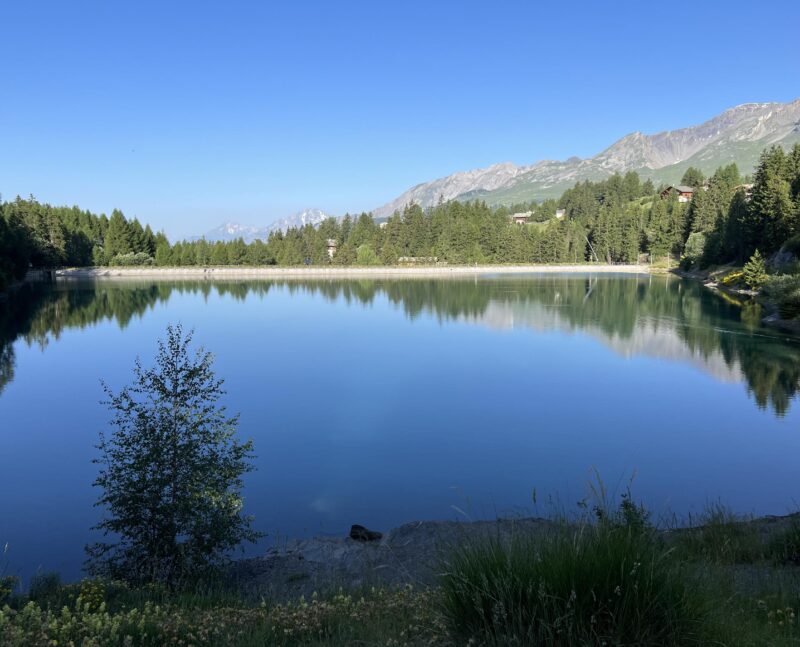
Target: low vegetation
[(784, 290), (609, 582), (607, 578)]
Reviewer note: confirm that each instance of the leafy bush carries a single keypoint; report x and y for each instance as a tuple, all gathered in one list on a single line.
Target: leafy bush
[(694, 249), (609, 582), (792, 246), (131, 259), (785, 290), (365, 255)]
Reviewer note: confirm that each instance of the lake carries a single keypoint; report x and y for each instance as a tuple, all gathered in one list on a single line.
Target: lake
[(385, 401)]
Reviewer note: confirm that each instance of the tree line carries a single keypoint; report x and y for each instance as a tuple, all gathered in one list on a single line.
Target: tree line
[(36, 235), (616, 220)]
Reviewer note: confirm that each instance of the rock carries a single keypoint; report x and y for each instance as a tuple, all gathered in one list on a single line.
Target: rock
[(360, 533)]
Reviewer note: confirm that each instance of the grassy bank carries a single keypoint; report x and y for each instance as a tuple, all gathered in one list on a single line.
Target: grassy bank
[(607, 578)]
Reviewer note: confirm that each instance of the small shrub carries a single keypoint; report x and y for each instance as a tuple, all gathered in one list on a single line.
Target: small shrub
[(792, 246), (732, 278), (139, 258), (785, 290)]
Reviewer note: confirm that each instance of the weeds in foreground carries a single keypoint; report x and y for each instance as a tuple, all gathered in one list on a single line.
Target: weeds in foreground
[(784, 547), (401, 617), (607, 578), (718, 536), (610, 581)]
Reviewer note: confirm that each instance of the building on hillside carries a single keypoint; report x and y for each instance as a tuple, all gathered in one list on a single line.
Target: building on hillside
[(331, 245), (684, 192), (747, 188), (561, 214), (521, 218)]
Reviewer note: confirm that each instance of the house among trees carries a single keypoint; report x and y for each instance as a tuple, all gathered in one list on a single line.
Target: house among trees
[(331, 245), (747, 188), (560, 214), (522, 217), (684, 192)]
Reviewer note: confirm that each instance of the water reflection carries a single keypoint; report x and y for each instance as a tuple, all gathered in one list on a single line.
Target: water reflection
[(656, 316)]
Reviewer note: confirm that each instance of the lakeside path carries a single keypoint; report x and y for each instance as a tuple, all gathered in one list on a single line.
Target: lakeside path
[(341, 272)]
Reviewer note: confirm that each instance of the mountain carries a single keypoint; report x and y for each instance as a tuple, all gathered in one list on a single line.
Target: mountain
[(737, 135), (232, 230), (299, 219)]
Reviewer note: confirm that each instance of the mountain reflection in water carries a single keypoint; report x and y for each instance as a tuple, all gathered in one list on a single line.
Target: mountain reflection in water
[(661, 317)]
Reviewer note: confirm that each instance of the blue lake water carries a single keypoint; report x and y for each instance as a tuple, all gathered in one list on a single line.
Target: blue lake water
[(383, 401)]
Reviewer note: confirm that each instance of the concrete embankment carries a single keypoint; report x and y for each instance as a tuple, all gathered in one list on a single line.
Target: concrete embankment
[(178, 273)]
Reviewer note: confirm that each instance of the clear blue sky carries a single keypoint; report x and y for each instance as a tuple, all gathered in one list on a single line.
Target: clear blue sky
[(186, 114)]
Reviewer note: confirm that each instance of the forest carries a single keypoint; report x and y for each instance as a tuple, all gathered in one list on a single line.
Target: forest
[(617, 220)]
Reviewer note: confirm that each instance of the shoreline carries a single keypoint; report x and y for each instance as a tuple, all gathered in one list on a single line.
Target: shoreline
[(212, 273), (771, 319), (409, 554)]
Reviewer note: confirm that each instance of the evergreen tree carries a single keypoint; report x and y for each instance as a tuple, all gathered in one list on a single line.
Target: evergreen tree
[(693, 177), (755, 271), (117, 239)]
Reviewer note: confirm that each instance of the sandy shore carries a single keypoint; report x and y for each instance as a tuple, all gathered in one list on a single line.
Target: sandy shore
[(339, 272)]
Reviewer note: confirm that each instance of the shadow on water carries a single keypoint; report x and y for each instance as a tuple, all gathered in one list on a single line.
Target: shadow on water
[(658, 316)]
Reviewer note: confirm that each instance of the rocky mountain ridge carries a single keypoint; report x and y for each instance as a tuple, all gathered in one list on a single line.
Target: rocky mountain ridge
[(736, 135)]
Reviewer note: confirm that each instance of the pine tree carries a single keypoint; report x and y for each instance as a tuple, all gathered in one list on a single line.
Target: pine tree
[(117, 239), (755, 271), (693, 177)]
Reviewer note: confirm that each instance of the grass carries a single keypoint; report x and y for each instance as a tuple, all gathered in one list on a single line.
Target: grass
[(719, 536), (611, 581), (605, 577), (784, 547)]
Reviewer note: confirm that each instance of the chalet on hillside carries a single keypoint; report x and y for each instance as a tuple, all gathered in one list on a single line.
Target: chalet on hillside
[(521, 218), (684, 192), (331, 245), (561, 214), (747, 188)]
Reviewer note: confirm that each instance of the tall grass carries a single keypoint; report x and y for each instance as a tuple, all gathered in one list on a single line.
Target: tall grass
[(719, 536), (607, 580)]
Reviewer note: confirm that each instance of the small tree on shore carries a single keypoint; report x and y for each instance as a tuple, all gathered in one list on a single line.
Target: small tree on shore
[(170, 472), (755, 271)]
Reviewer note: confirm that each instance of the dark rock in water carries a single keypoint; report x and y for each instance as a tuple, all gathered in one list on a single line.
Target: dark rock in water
[(360, 533)]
